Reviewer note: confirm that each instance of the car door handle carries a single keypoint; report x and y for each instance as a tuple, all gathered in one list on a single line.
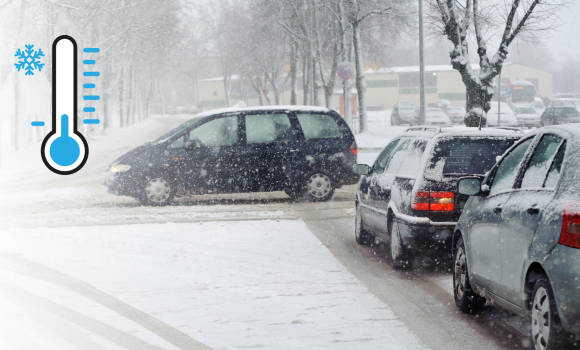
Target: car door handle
[(497, 210), (533, 211)]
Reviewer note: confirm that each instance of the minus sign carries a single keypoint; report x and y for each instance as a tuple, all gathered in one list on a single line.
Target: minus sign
[(89, 109), (37, 123), (91, 121), (91, 49), (89, 86)]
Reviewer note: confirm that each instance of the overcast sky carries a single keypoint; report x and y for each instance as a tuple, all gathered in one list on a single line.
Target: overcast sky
[(566, 39)]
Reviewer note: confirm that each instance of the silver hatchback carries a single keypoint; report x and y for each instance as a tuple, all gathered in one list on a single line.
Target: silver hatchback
[(517, 242)]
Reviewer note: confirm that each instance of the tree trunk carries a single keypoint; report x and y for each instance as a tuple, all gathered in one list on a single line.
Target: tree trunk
[(305, 81), (293, 72), (227, 84), (360, 78), (161, 97), (122, 96), (346, 84)]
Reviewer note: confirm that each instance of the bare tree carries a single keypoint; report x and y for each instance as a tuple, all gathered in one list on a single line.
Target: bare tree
[(526, 19)]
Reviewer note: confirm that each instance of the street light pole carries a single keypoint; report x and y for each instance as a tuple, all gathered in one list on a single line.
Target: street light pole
[(421, 68)]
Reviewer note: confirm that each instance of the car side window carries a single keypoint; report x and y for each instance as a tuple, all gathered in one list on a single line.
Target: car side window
[(383, 158), (556, 168), (412, 158), (267, 128), (537, 169), (178, 143), (506, 172), (398, 157), (319, 126), (217, 132)]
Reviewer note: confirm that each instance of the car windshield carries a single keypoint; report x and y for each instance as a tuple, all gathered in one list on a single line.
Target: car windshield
[(525, 110), (175, 131), (567, 111), (459, 156), (406, 110)]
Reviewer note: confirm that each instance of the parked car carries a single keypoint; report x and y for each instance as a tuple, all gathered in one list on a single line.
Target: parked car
[(527, 116), (508, 118), (566, 102), (402, 115), (443, 104), (456, 114), (306, 152), (433, 116), (560, 115), (409, 196), (517, 242)]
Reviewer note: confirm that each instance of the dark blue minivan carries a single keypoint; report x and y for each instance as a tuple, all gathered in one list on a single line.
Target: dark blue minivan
[(307, 152)]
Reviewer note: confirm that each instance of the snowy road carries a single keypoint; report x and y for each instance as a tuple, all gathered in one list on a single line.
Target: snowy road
[(82, 269)]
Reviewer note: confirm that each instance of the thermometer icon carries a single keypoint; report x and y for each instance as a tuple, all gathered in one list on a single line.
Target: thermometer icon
[(64, 150)]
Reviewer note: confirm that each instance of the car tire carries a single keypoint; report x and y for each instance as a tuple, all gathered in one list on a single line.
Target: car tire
[(401, 256), (465, 298), (546, 329), (361, 236), (159, 189), (318, 187)]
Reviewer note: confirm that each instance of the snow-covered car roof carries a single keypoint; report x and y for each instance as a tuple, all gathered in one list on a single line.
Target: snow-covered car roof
[(434, 131), (262, 108)]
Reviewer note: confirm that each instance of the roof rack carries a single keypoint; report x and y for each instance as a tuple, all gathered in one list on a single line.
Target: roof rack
[(508, 128), (423, 128)]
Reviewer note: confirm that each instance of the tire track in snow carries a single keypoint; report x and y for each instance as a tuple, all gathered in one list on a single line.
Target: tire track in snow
[(163, 330)]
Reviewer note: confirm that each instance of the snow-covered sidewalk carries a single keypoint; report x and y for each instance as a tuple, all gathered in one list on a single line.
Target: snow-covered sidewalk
[(268, 284)]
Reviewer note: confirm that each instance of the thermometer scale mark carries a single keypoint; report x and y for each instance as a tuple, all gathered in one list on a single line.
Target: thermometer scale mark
[(64, 150)]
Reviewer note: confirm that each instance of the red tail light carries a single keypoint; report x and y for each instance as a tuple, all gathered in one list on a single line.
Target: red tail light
[(434, 201), (570, 234), (353, 149), (420, 201)]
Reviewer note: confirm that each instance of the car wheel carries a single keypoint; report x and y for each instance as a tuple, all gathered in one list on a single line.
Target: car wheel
[(402, 256), (318, 187), (158, 190), (547, 331), (361, 236), (465, 298)]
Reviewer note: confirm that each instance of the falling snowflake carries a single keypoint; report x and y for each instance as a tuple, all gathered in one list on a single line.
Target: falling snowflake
[(29, 60)]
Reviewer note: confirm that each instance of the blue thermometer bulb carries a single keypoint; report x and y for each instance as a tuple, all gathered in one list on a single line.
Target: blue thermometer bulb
[(64, 150)]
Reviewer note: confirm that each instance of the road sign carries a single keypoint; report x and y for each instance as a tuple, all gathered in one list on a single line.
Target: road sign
[(508, 88), (345, 70)]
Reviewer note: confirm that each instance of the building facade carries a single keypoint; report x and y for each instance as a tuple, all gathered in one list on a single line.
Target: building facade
[(385, 87)]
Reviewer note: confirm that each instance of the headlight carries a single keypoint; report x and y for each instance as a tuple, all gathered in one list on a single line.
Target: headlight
[(120, 168)]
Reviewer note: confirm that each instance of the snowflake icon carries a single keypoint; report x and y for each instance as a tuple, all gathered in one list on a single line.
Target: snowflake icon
[(29, 60)]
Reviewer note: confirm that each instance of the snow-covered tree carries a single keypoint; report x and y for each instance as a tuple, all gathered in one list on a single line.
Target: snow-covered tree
[(487, 20)]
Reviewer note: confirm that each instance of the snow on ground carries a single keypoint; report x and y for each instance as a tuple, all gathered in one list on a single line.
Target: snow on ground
[(228, 285)]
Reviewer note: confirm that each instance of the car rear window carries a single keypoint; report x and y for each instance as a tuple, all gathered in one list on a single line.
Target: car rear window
[(319, 126), (460, 156)]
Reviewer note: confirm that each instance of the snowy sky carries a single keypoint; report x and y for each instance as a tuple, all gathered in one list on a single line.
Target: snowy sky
[(564, 40)]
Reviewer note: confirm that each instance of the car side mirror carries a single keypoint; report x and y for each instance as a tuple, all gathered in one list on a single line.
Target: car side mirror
[(190, 145), (361, 169), (469, 186)]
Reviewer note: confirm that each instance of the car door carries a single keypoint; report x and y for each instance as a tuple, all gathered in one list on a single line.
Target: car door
[(369, 186), (487, 218), (522, 213), (269, 143), (398, 189), (211, 166), (380, 192)]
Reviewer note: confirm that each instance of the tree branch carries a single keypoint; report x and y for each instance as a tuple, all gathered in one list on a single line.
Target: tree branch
[(374, 12)]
